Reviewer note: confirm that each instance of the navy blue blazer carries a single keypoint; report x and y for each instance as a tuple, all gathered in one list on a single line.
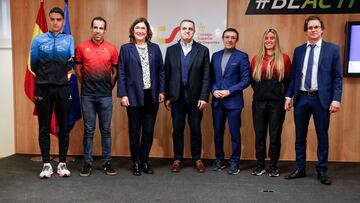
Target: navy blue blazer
[(329, 76), (235, 79), (130, 79)]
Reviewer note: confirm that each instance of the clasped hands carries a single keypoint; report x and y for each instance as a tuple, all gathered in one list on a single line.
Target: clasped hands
[(220, 94)]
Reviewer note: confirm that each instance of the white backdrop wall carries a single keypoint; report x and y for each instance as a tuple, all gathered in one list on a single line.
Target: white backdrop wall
[(7, 143), (209, 17)]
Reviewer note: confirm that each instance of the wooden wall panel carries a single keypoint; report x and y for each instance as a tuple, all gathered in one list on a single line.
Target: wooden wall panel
[(119, 16), (344, 128)]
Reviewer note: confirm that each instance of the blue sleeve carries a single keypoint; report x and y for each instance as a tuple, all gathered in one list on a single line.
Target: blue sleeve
[(121, 85), (337, 75), (244, 76), (34, 56), (72, 47), (212, 74), (162, 69), (291, 88)]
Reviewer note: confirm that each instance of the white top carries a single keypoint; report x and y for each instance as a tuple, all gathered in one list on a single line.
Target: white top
[(186, 48), (144, 57)]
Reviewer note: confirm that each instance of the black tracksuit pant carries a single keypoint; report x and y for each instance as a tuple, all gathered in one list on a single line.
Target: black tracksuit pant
[(268, 114), (49, 98)]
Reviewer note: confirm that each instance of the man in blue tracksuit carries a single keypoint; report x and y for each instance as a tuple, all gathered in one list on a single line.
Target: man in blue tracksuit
[(50, 60)]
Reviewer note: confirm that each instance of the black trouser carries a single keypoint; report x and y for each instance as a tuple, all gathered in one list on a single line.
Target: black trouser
[(142, 119), (179, 109), (272, 114), (49, 98)]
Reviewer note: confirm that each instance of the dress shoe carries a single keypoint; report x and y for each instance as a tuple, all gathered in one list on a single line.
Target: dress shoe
[(324, 179), (176, 166), (136, 169), (296, 174), (199, 166), (146, 168)]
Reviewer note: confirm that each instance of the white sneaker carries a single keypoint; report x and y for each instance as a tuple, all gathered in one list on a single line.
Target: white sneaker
[(62, 170), (47, 171)]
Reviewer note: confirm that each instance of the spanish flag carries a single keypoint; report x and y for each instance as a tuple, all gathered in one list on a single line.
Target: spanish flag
[(29, 83)]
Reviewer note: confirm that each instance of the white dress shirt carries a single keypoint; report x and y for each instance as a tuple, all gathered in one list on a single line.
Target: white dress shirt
[(314, 82), (186, 48)]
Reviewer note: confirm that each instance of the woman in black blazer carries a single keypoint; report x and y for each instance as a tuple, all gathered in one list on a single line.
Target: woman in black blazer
[(141, 84)]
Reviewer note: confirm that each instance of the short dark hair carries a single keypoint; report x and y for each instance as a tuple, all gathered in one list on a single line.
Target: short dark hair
[(57, 10), (189, 21), (100, 19), (132, 27), (310, 18), (230, 29)]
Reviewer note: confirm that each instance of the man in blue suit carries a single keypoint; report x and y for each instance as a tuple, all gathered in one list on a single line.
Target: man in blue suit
[(315, 89), (230, 75)]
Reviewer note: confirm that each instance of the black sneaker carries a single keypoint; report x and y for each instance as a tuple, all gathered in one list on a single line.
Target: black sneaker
[(234, 169), (108, 169), (218, 165), (86, 170), (274, 172), (258, 171)]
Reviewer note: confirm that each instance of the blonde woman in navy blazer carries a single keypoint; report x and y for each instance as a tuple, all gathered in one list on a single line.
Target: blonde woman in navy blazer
[(141, 84)]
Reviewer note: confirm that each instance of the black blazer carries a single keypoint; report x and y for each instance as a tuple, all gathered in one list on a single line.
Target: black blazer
[(198, 87)]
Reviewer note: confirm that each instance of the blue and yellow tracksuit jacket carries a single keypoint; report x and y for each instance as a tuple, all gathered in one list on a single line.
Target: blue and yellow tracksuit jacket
[(51, 58)]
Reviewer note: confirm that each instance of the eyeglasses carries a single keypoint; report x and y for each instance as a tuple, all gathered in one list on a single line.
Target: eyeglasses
[(314, 27)]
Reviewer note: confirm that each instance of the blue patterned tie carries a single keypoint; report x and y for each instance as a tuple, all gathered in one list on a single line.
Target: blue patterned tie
[(309, 68)]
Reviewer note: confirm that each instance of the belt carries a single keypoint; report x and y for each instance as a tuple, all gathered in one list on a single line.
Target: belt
[(309, 93)]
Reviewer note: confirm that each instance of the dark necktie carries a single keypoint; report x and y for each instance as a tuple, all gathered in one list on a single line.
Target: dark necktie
[(309, 68)]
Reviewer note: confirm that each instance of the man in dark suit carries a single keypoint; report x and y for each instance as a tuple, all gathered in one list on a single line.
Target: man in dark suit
[(231, 74), (187, 68), (315, 89)]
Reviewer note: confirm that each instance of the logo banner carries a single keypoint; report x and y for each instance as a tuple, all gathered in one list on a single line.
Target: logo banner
[(209, 16), (266, 7)]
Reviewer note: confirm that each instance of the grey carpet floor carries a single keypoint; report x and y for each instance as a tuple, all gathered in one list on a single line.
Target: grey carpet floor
[(19, 182)]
